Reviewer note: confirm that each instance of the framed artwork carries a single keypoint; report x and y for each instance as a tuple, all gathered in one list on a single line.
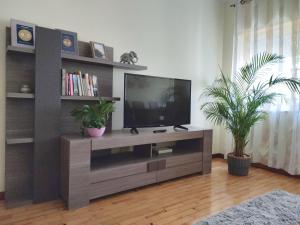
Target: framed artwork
[(22, 34), (98, 50), (69, 43)]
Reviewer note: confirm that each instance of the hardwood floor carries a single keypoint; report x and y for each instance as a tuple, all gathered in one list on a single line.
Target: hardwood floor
[(175, 202)]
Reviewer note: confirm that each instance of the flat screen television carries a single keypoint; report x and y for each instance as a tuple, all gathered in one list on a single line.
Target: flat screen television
[(156, 101)]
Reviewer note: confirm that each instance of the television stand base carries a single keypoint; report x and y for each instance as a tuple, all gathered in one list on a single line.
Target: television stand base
[(134, 131), (180, 127), (160, 131)]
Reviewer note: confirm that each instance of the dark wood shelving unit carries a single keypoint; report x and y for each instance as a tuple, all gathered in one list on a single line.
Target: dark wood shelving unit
[(19, 95), (35, 121), (89, 98), (19, 146)]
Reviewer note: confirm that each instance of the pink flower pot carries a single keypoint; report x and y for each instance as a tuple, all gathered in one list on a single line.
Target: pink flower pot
[(95, 132)]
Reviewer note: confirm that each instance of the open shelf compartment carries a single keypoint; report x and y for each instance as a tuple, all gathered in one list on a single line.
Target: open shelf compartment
[(142, 153)]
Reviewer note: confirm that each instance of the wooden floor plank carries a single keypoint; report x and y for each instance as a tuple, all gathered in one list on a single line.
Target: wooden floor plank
[(177, 202)]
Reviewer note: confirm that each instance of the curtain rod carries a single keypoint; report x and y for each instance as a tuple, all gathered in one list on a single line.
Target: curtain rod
[(242, 2)]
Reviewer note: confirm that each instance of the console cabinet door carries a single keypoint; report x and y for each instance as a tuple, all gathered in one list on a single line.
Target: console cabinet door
[(117, 172), (178, 171), (121, 184), (183, 159)]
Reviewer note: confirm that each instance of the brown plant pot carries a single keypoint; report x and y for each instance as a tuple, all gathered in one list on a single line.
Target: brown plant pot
[(238, 166)]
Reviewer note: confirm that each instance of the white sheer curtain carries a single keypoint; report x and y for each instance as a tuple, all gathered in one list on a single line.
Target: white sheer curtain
[(272, 26)]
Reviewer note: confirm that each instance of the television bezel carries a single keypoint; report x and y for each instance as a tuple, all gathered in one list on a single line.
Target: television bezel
[(156, 125)]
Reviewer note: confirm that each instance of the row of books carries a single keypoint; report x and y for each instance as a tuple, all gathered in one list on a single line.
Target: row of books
[(79, 84)]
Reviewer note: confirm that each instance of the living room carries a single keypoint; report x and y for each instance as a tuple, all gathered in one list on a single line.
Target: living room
[(149, 112)]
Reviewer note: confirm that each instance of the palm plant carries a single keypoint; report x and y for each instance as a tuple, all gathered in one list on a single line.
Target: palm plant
[(237, 104)]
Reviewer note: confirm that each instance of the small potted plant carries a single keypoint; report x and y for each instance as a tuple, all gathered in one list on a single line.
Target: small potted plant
[(93, 118), (237, 104)]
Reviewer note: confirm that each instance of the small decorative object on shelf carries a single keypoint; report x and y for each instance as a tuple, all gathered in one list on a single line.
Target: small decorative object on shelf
[(98, 50), (69, 43), (93, 118), (129, 58), (22, 34), (25, 89)]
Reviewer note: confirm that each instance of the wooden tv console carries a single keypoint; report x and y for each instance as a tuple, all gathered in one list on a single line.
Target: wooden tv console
[(89, 169)]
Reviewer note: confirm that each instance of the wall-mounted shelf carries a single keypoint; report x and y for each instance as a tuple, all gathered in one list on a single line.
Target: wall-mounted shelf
[(19, 137), (12, 141), (124, 66), (83, 59), (89, 98), (11, 48), (74, 98), (89, 60), (19, 95)]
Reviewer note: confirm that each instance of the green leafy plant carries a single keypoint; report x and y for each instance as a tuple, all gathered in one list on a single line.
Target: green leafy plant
[(93, 116), (237, 103)]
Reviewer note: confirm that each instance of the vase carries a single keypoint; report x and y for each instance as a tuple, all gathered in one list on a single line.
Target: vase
[(238, 166), (95, 132)]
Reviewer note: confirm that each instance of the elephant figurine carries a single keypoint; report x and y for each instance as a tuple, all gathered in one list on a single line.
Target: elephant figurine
[(129, 58)]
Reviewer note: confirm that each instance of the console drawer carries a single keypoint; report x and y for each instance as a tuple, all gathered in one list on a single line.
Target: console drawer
[(178, 171), (183, 159), (121, 184), (117, 172)]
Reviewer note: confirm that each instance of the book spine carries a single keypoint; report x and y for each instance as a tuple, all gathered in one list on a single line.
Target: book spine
[(63, 78), (95, 85), (80, 81), (67, 84), (87, 85), (75, 85), (78, 85), (69, 88), (91, 85), (83, 85), (71, 85)]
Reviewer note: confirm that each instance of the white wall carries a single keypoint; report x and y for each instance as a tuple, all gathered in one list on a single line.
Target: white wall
[(173, 38)]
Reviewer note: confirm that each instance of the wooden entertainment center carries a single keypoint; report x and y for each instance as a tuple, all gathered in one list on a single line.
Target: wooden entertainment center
[(35, 121), (39, 169), (89, 168)]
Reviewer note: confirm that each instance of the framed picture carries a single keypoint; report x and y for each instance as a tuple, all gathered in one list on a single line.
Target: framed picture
[(69, 43), (98, 50), (22, 34)]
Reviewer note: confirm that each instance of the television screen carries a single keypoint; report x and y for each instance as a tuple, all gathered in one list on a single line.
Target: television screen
[(156, 101)]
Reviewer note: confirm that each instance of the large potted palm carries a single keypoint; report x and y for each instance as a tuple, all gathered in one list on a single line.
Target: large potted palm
[(237, 103)]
